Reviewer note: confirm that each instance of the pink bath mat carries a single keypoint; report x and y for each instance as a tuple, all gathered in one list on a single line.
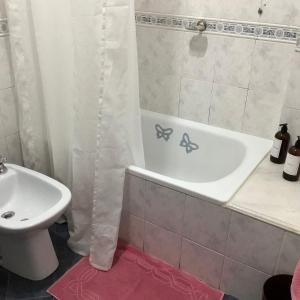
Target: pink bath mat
[(134, 276)]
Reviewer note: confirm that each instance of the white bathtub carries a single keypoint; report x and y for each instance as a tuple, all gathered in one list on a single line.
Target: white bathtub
[(197, 159)]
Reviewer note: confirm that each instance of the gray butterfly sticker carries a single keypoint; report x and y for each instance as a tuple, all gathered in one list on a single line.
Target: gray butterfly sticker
[(187, 144), (163, 133)]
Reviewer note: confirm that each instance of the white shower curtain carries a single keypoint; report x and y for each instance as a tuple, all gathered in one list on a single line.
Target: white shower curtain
[(75, 67)]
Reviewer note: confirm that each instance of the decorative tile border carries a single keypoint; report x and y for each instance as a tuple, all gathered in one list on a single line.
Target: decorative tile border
[(3, 27), (278, 33)]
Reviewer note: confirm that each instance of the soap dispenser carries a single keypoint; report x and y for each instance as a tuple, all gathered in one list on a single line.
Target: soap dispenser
[(280, 145), (291, 170)]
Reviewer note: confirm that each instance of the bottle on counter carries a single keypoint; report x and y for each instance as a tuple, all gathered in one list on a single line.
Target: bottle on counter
[(280, 145), (291, 170)]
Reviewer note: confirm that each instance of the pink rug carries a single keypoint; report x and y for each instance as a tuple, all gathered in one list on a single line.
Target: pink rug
[(134, 276)]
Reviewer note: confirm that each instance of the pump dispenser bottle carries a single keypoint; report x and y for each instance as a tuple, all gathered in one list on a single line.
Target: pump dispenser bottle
[(280, 145), (291, 169)]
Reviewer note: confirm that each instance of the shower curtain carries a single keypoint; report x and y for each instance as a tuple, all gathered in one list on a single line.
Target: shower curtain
[(75, 66)]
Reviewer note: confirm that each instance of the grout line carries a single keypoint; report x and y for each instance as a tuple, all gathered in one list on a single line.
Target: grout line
[(226, 247), (276, 265)]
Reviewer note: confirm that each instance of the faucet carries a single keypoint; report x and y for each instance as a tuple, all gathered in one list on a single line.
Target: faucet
[(3, 168)]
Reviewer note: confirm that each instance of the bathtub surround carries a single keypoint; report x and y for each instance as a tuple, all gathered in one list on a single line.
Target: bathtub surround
[(233, 248), (77, 91), (189, 159), (234, 76), (9, 132)]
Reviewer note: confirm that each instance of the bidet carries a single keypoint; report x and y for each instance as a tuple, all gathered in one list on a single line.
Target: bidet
[(29, 203)]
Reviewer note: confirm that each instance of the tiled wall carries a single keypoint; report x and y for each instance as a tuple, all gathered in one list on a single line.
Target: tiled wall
[(231, 82), (291, 110), (9, 135), (226, 249), (275, 11)]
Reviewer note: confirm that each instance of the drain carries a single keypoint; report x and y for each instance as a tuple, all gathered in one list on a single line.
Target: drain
[(25, 219), (8, 215)]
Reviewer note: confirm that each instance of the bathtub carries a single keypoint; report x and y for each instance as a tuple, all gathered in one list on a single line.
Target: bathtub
[(197, 159)]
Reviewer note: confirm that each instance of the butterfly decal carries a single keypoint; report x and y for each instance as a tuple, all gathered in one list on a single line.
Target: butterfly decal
[(186, 142), (163, 133)]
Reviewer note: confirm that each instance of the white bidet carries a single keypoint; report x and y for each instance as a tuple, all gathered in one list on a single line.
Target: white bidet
[(29, 203)]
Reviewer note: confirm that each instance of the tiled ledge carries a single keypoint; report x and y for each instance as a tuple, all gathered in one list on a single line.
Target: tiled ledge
[(266, 196), (3, 27), (270, 32)]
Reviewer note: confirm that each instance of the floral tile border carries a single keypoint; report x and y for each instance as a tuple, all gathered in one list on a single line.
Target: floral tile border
[(3, 27), (278, 33)]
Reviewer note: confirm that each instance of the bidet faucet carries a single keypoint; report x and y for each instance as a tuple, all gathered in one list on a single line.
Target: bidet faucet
[(3, 168)]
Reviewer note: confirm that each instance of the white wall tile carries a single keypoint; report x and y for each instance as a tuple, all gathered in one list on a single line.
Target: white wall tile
[(271, 66), (233, 61), (2, 9), (290, 254), (241, 281), (14, 149), (262, 113), (159, 50), (254, 243), (293, 87), (199, 56), (3, 147), (164, 207), (164, 7), (201, 262), (195, 100), (132, 229), (8, 113), (206, 224), (5, 71), (228, 105), (134, 195), (281, 12), (292, 117), (160, 93), (162, 244)]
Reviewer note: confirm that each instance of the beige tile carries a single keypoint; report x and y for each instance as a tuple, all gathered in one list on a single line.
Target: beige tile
[(159, 50), (8, 112), (290, 254), (202, 263), (254, 243), (233, 61), (281, 12), (158, 6), (164, 207), (5, 71), (262, 113), (206, 224), (199, 56), (14, 149), (271, 66), (241, 281), (162, 244), (2, 9), (159, 93), (132, 229), (292, 117), (134, 195), (228, 105), (195, 100)]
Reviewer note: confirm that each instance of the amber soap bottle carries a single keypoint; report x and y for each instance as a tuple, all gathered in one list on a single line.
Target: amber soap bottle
[(291, 170), (280, 145)]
